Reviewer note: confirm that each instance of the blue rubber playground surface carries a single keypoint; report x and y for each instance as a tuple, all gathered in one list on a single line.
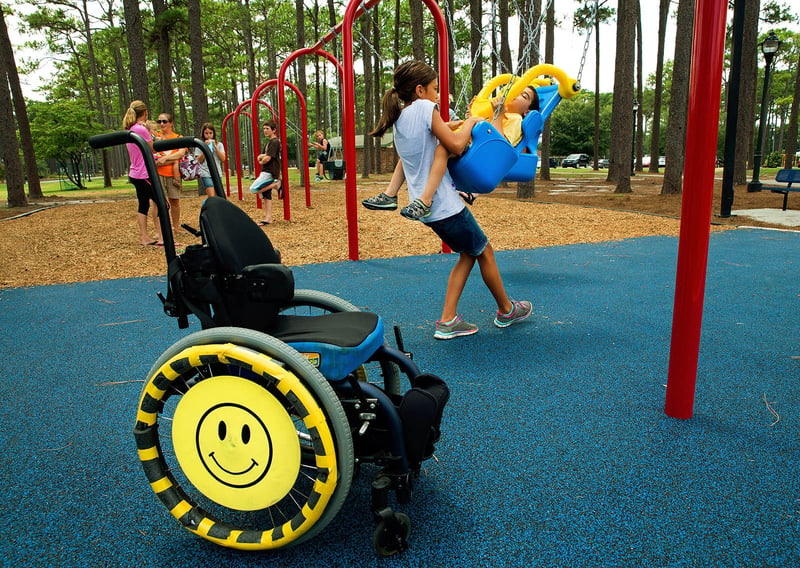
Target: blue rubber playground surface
[(555, 450)]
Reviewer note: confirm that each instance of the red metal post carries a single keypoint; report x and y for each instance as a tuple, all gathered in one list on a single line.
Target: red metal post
[(701, 134)]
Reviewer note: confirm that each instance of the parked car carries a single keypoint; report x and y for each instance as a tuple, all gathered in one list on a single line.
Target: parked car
[(575, 161), (662, 161), (602, 162)]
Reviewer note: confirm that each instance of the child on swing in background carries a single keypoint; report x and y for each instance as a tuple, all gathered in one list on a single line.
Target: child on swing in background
[(507, 121), (419, 131)]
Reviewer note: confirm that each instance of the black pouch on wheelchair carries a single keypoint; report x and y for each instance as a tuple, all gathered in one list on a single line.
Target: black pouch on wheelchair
[(421, 413), (191, 285), (250, 299)]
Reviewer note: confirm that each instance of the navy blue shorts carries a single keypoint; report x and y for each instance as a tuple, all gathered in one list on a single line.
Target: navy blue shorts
[(461, 233)]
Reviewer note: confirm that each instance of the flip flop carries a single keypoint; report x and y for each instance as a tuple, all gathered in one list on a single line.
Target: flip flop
[(263, 223)]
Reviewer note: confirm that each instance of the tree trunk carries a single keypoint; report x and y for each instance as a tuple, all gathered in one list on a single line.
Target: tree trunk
[(167, 96), (417, 30), (96, 88), (397, 22), (247, 31), (596, 146), (679, 100), (748, 82), (451, 46), (300, 62), (377, 91), (26, 138), (549, 50), (791, 135), (505, 48), (655, 129), (639, 91), (15, 180), (475, 36), (619, 168), (199, 97), (136, 52), (366, 58)]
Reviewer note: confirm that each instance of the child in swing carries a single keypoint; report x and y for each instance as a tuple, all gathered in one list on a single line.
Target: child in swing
[(508, 122), (419, 131)]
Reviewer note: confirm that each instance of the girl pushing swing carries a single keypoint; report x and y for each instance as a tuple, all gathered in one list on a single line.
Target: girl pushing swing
[(410, 106)]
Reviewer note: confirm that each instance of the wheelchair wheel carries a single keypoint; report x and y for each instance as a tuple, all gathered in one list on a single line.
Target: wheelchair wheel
[(244, 442), (391, 534), (314, 302)]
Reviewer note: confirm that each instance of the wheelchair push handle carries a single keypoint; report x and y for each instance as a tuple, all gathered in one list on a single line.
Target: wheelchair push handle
[(111, 139)]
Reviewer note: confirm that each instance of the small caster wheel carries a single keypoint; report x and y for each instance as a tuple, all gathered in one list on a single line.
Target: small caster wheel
[(391, 534)]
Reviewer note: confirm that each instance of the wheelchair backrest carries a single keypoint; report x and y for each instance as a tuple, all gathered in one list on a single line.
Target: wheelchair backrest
[(235, 240), (235, 277)]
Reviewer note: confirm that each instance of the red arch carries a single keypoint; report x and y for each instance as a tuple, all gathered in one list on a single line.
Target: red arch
[(313, 50), (282, 120)]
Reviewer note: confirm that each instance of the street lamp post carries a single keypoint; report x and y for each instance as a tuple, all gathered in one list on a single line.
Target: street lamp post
[(769, 47), (633, 143)]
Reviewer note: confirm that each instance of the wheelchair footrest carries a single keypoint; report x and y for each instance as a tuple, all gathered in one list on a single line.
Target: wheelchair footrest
[(421, 413)]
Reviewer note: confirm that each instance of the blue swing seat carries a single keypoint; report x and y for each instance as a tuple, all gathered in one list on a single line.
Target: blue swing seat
[(491, 159)]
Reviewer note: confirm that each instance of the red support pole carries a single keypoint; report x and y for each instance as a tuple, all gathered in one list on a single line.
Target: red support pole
[(705, 82)]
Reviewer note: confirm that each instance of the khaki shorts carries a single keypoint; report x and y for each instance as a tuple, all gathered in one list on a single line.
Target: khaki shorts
[(171, 188)]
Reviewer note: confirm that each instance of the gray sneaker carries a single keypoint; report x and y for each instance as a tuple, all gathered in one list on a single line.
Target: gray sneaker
[(416, 210), (455, 328), (519, 312), (380, 201)]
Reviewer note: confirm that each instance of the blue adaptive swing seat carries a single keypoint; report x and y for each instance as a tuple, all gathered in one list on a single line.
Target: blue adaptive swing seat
[(491, 158)]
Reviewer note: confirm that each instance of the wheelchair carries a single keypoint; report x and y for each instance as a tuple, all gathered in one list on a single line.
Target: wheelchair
[(251, 431)]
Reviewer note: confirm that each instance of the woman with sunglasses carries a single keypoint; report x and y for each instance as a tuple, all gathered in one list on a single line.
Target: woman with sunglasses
[(135, 120), (165, 163)]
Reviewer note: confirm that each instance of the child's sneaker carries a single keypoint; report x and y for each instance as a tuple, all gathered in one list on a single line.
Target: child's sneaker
[(380, 201), (416, 210), (317, 178), (456, 328), (519, 312)]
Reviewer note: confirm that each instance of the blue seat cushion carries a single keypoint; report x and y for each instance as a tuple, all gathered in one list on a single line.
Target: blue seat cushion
[(337, 344)]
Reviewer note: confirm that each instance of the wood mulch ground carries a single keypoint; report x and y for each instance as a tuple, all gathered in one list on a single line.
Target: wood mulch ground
[(62, 241)]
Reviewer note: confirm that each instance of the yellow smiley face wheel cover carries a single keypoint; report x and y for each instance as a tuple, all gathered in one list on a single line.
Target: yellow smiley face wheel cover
[(237, 444)]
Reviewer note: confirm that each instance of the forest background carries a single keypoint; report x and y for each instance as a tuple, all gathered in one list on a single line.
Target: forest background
[(199, 59)]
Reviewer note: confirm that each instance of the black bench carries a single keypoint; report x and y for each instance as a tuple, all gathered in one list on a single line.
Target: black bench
[(787, 176)]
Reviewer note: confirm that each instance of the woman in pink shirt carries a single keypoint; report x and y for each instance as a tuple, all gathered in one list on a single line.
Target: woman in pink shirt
[(135, 120)]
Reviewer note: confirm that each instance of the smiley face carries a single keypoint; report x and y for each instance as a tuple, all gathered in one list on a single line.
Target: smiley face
[(236, 443)]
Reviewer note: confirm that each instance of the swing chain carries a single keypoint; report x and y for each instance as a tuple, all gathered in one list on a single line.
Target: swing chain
[(586, 43)]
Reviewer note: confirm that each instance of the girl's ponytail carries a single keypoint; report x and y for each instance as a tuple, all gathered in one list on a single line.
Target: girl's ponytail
[(391, 107), (134, 112)]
